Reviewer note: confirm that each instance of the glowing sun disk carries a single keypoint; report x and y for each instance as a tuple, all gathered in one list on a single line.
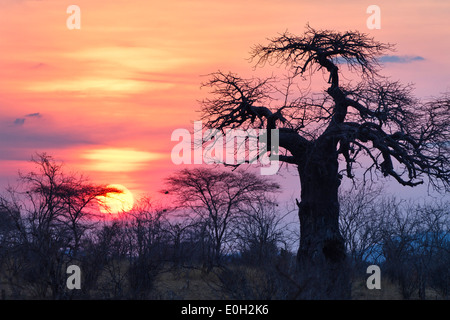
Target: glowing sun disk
[(117, 202)]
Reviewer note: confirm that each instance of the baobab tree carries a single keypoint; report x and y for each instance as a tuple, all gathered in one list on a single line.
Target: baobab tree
[(376, 118)]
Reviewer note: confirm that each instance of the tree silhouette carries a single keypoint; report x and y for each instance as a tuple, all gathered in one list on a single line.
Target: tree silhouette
[(217, 198), (377, 119), (51, 211)]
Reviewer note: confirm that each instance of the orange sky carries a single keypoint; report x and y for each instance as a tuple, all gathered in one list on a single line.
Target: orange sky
[(106, 98)]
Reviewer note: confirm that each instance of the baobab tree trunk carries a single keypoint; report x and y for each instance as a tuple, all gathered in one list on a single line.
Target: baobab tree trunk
[(321, 257)]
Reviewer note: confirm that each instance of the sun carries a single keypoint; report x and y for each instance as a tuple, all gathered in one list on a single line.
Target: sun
[(114, 203)]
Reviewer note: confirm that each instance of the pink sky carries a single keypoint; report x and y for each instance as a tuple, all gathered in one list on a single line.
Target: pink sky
[(105, 99)]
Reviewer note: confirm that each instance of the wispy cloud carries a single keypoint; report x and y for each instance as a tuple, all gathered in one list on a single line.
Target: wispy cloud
[(119, 160), (386, 59), (19, 121), (400, 59), (34, 115)]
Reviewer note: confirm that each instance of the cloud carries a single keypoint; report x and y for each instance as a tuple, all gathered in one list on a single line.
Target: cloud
[(119, 159), (386, 59), (19, 142), (19, 122), (400, 59), (36, 115)]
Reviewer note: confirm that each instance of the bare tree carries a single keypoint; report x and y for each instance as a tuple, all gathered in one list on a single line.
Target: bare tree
[(260, 231), (182, 239), (361, 223), (415, 245), (379, 119), (258, 272), (434, 248), (50, 212), (148, 244), (112, 242), (216, 198)]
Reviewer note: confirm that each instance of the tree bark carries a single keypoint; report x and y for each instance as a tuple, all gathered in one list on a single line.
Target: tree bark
[(322, 260)]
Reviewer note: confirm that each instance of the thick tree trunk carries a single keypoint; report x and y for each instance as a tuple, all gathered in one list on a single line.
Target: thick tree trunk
[(321, 257)]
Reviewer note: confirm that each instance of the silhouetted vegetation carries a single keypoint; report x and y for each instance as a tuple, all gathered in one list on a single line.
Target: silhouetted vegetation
[(172, 252), (360, 118), (226, 227)]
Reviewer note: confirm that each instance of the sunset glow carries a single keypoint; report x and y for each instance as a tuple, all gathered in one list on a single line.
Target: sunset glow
[(208, 150), (118, 160), (105, 98), (114, 203)]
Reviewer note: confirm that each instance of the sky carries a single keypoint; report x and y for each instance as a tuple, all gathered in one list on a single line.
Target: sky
[(105, 98)]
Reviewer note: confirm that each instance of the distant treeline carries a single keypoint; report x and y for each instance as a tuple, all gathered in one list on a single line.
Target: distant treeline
[(226, 225)]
